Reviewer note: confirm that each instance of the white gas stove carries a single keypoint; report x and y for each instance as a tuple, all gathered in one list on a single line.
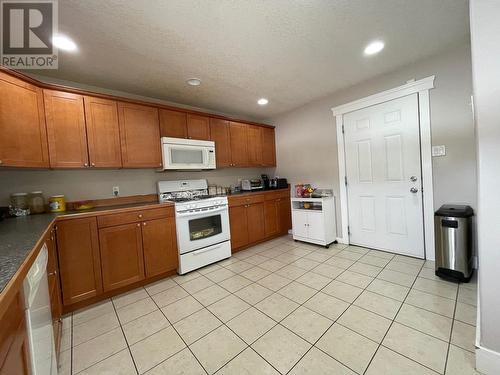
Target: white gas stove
[(202, 221)]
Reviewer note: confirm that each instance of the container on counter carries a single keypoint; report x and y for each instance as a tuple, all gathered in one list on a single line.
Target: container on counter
[(220, 190), (19, 204), (36, 202), (57, 203), (212, 190)]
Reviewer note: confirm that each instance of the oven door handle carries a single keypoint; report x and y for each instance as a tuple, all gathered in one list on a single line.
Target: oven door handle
[(196, 213), (201, 251)]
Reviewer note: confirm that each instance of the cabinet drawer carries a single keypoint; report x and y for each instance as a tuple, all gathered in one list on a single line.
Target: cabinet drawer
[(279, 194), (247, 199), (134, 216)]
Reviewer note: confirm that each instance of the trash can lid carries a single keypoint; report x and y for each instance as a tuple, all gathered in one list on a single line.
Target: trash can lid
[(455, 210)]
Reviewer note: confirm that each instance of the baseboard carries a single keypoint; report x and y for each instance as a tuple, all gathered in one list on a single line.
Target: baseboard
[(475, 262), (487, 361), (342, 240)]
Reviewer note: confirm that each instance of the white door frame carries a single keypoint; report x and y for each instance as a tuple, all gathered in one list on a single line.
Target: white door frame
[(421, 87)]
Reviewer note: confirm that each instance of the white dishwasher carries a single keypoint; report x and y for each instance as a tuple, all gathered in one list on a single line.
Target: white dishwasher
[(39, 317)]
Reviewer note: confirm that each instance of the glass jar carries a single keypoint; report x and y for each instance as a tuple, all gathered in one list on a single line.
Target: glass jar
[(19, 204), (37, 202)]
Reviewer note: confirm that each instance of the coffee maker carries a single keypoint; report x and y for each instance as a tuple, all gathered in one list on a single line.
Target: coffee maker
[(265, 181)]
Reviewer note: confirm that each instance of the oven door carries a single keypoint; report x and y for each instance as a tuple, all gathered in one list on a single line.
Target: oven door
[(196, 230), (179, 156)]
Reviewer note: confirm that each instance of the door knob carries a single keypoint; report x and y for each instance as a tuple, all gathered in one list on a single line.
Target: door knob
[(413, 178), (413, 190)]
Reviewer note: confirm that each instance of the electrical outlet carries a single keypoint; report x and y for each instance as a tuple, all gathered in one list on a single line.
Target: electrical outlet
[(439, 150), (116, 191)]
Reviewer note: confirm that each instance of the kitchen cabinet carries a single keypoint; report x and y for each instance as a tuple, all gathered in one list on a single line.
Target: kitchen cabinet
[(159, 240), (220, 134), (239, 226), (103, 132), (271, 218), (54, 287), (285, 215), (239, 144), (313, 220), (198, 127), (23, 140), (246, 219), (268, 147), (66, 133), (79, 259), (254, 145), (140, 135), (173, 124), (255, 217), (122, 259)]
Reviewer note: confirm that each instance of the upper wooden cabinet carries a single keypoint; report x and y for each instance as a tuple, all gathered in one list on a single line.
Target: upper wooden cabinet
[(173, 124), (140, 135), (220, 134), (23, 138), (268, 147), (254, 140), (239, 144), (65, 118), (103, 132), (198, 127)]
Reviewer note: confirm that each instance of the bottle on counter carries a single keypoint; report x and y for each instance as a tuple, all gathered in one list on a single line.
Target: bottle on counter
[(57, 203), (36, 202)]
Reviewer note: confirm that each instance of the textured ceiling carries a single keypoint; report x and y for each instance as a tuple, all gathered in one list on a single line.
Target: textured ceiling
[(291, 52)]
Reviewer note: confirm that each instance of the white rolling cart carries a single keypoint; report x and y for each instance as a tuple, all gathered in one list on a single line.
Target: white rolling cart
[(313, 220)]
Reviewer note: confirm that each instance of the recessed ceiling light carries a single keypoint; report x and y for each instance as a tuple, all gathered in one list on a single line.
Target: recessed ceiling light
[(262, 101), (193, 82), (374, 47), (64, 43)]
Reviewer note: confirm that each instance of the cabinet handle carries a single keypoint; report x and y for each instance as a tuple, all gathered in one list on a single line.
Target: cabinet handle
[(144, 223), (1, 162), (93, 164), (86, 164), (138, 225), (52, 273), (139, 216)]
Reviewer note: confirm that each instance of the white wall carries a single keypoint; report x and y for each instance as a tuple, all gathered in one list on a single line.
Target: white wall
[(306, 137), (485, 32)]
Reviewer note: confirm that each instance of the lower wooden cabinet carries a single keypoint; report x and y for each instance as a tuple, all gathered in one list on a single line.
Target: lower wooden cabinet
[(159, 242), (54, 287), (285, 215), (271, 218), (255, 217), (239, 226)]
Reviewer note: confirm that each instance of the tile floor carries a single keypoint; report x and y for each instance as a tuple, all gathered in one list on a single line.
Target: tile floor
[(282, 307)]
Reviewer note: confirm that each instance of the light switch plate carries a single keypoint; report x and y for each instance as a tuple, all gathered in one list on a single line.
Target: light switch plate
[(439, 150)]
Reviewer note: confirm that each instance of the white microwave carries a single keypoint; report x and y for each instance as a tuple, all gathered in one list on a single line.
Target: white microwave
[(180, 153)]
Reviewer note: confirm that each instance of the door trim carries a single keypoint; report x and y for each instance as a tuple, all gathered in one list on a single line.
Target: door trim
[(421, 87)]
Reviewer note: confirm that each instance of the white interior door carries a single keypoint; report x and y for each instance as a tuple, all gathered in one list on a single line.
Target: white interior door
[(383, 168)]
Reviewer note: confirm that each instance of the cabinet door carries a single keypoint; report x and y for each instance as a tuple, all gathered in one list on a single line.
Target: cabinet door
[(285, 215), (254, 139), (239, 226), (17, 360), (54, 287), (79, 261), (239, 144), (23, 140), (271, 218), (160, 246), (198, 127), (300, 223), (255, 217), (121, 255), (268, 147), (219, 133), (140, 136), (315, 227), (173, 124), (66, 132), (103, 132)]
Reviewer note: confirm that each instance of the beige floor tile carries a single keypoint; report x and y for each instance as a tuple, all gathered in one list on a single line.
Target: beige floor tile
[(64, 363), (156, 348), (409, 260), (374, 260), (118, 364), (136, 310), (274, 282), (429, 273), (328, 270), (418, 346), (228, 307), (272, 265), (277, 306), (342, 290), (160, 286), (129, 297), (396, 277), (170, 295), (388, 289), (210, 295), (239, 266), (314, 280), (388, 362), (217, 348), (348, 347), (251, 324), (328, 306), (358, 249), (287, 258), (67, 321), (281, 348), (95, 327), (460, 362), (255, 273), (297, 292), (93, 351), (467, 295), (197, 325), (181, 279), (349, 254), (182, 363), (306, 264), (291, 272), (197, 284), (235, 283), (381, 254), (253, 293), (431, 302), (220, 275), (256, 259), (93, 311), (307, 324), (440, 288), (410, 269), (466, 313), (318, 257), (315, 362), (376, 303), (210, 268), (248, 363), (340, 262), (66, 339), (145, 326), (425, 321), (181, 308), (273, 252), (355, 279), (365, 269), (430, 264), (365, 323), (300, 251), (464, 336)]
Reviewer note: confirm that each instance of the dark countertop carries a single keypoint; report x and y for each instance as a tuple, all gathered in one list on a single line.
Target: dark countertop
[(256, 192)]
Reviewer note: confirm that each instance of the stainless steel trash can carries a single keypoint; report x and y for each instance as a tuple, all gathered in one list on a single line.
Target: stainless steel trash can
[(453, 233)]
